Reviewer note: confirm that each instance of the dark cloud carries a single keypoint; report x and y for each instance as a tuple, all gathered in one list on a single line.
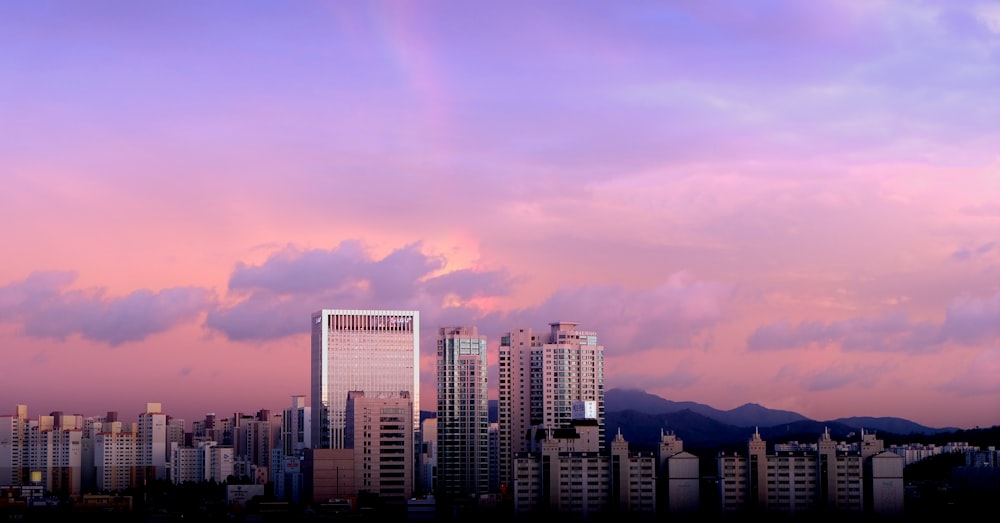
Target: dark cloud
[(276, 297), (39, 288), (46, 310), (397, 276), (466, 283), (292, 271), (968, 321)]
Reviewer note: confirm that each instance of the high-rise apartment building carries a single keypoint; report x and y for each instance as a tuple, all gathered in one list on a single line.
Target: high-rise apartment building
[(462, 413), (152, 443), (57, 455), (373, 351), (545, 381), (569, 476), (115, 456), (14, 447), (295, 427)]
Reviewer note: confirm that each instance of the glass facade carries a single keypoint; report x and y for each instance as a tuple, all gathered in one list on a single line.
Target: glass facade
[(373, 351), (463, 412)]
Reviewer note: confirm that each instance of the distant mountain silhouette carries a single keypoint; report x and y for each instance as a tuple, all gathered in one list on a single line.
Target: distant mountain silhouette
[(747, 415), (894, 425), (643, 430), (641, 416)]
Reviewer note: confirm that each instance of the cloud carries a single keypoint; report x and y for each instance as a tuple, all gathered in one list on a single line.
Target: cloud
[(274, 299), (47, 310), (831, 378), (968, 321), (21, 298)]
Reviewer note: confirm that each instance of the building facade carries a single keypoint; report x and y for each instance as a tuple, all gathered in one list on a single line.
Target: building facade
[(462, 414), (541, 377), (381, 434), (825, 477), (115, 456), (14, 447), (296, 427), (678, 477), (571, 477), (360, 350), (151, 458)]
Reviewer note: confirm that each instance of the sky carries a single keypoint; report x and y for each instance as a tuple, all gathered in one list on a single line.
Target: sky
[(795, 204)]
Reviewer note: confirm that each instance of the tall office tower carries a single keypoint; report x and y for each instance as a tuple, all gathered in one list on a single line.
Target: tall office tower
[(463, 413), (151, 456), (14, 447), (296, 422), (545, 381), (373, 351)]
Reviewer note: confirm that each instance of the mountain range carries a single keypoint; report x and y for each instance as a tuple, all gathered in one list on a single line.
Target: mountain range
[(641, 416)]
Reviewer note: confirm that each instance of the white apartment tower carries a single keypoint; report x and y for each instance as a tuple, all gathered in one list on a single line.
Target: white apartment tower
[(152, 446), (57, 455), (115, 456), (462, 412), (541, 377), (14, 447), (373, 351), (296, 422)]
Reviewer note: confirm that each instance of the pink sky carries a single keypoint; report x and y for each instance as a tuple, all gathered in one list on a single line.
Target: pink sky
[(789, 203)]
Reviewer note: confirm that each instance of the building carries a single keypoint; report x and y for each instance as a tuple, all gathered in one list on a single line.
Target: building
[(678, 478), (462, 414), (152, 445), (296, 430), (114, 456), (206, 461), (14, 447), (427, 461), (360, 350), (380, 431), (541, 377), (375, 462), (830, 477), (56, 457), (253, 439), (570, 476)]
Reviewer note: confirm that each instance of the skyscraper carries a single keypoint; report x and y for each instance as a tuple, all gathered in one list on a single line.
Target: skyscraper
[(545, 381), (462, 412), (373, 351)]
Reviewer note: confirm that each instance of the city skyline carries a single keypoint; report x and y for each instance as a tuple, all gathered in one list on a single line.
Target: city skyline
[(785, 203)]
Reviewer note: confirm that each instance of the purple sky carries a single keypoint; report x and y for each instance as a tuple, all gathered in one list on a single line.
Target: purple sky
[(790, 203)]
